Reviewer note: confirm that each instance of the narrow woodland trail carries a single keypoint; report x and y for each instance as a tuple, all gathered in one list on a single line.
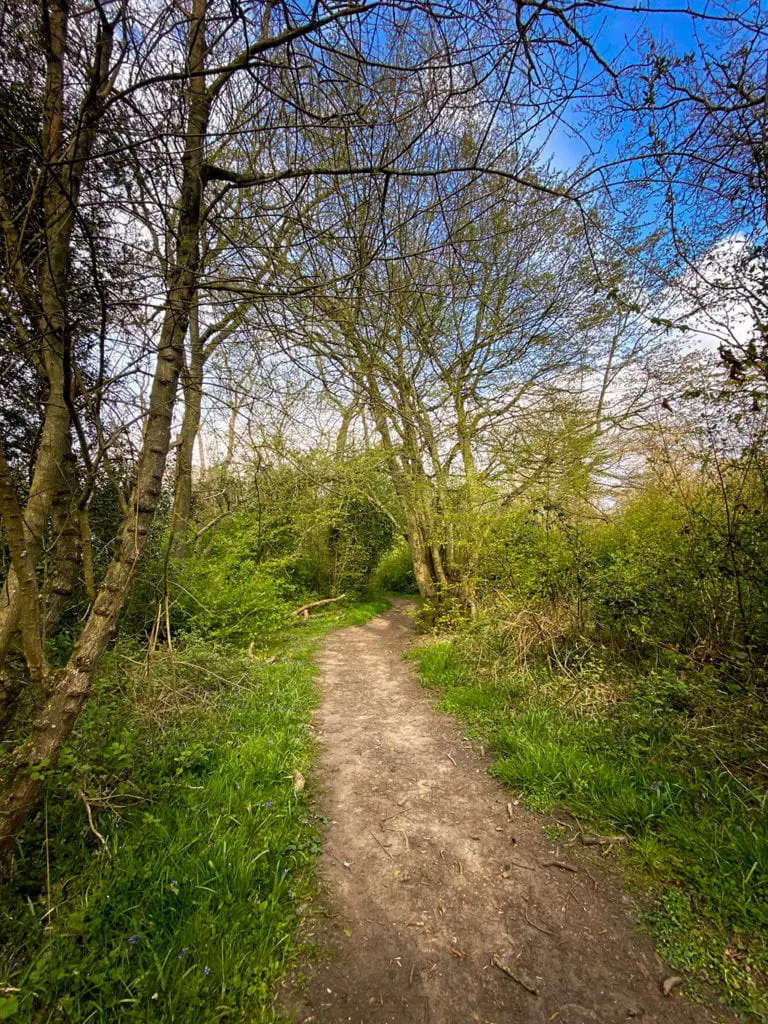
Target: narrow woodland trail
[(427, 884)]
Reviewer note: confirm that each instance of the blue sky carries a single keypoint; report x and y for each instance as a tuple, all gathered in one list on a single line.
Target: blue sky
[(620, 36)]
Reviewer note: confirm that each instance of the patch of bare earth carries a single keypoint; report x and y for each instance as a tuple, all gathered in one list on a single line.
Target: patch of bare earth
[(435, 904)]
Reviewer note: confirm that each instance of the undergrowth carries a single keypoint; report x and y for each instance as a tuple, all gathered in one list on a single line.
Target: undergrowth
[(184, 906), (669, 757)]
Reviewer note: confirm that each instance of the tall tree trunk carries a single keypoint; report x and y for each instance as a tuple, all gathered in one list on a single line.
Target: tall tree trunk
[(86, 544), (192, 384), (472, 531), (59, 714), (348, 414), (422, 568), (30, 618), (45, 482), (66, 546)]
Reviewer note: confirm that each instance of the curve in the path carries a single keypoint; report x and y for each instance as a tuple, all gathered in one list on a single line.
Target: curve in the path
[(428, 885)]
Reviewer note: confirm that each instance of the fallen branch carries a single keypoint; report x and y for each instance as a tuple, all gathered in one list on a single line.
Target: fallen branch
[(517, 864), (92, 827), (381, 845), (558, 864), (538, 927), (514, 976), (304, 610)]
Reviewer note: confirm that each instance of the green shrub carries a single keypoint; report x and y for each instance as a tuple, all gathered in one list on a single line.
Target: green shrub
[(230, 596), (394, 573)]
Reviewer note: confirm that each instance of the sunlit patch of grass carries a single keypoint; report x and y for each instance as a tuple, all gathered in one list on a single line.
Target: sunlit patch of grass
[(186, 911), (647, 762)]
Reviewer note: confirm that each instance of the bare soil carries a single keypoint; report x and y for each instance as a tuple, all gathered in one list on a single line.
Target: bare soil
[(429, 881)]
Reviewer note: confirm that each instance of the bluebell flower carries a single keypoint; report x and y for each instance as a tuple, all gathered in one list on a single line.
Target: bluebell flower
[(268, 803), (207, 971), (183, 953), (133, 938)]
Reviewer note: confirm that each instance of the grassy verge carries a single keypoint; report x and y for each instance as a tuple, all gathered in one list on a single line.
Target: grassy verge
[(670, 759), (185, 909)]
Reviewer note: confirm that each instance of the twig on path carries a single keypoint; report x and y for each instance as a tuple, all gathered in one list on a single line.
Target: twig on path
[(559, 864), (450, 758), (381, 845), (517, 864), (514, 976), (544, 931)]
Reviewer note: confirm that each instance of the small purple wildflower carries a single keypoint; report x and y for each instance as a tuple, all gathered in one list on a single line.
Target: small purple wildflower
[(656, 786), (270, 742), (183, 953), (267, 803), (207, 971), (133, 938)]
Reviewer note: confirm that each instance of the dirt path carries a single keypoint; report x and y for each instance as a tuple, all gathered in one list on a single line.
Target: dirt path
[(425, 880)]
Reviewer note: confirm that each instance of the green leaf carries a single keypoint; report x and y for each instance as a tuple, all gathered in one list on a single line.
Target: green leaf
[(9, 1006)]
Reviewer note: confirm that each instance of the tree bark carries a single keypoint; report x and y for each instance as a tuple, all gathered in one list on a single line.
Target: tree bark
[(192, 384), (30, 617), (89, 575), (66, 547)]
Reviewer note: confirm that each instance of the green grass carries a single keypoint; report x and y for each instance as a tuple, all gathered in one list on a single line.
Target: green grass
[(187, 911), (670, 760)]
